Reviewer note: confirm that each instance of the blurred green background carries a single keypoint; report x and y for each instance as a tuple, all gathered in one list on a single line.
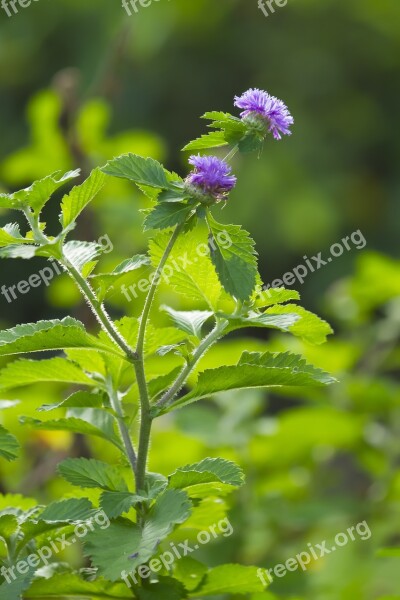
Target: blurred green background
[(81, 82)]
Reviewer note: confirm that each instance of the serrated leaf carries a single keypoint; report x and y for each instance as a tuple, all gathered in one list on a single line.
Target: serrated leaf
[(188, 270), (72, 510), (90, 421), (8, 526), (189, 572), (10, 234), (80, 196), (161, 383), (143, 171), (81, 253), (49, 335), (214, 139), (115, 504), (135, 545), (77, 400), (36, 195), (9, 446), (207, 471), (230, 579), (91, 473), (167, 214), (190, 321), (26, 372), (273, 296), (19, 251), (309, 327), (282, 322), (235, 262), (103, 282), (267, 370)]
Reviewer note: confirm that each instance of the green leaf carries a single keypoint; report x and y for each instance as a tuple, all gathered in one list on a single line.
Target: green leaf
[(256, 371), (214, 139), (189, 572), (77, 400), (207, 471), (25, 372), (91, 473), (80, 196), (309, 327), (19, 251), (89, 421), (166, 588), (143, 171), (188, 270), (115, 504), (190, 321), (81, 253), (235, 262), (9, 446), (72, 586), (49, 335), (10, 234), (38, 193), (8, 526), (229, 579), (281, 322), (159, 384), (136, 546), (104, 281), (167, 214), (72, 510), (273, 296)]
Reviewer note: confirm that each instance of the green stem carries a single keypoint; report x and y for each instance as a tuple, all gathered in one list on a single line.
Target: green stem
[(98, 309), (146, 417), (116, 405), (204, 346)]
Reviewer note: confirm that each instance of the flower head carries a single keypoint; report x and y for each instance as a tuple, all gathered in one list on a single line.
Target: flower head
[(211, 177), (257, 102)]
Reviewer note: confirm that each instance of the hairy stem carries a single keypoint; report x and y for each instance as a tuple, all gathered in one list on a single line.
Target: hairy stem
[(206, 343), (99, 310), (146, 417), (116, 405)]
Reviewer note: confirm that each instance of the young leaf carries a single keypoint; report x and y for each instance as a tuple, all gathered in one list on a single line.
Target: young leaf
[(207, 471), (136, 546), (229, 579), (271, 296), (72, 586), (81, 253), (190, 321), (10, 234), (37, 194), (26, 372), (167, 214), (77, 400), (267, 370), (68, 511), (166, 588), (91, 473), (214, 139), (236, 262), (80, 196), (104, 281), (49, 335), (143, 171), (115, 504), (309, 327), (9, 446)]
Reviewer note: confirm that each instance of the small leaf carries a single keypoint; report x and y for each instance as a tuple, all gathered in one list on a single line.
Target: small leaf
[(72, 586), (26, 372), (213, 139), (207, 471), (160, 384), (77, 400), (309, 327), (271, 296), (167, 214), (91, 473), (9, 446), (81, 253), (80, 196), (166, 588), (49, 335), (190, 321), (235, 262), (115, 504), (10, 234), (230, 579), (68, 511), (38, 193), (144, 171)]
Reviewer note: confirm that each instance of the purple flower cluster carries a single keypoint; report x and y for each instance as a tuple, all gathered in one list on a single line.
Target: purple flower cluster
[(211, 175), (257, 102)]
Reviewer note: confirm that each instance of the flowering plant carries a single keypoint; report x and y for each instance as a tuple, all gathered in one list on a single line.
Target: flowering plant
[(134, 371)]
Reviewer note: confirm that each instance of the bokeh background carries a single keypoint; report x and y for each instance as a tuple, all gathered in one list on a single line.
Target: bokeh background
[(81, 82)]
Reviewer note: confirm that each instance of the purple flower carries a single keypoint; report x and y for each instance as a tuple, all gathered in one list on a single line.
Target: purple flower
[(211, 176), (256, 102)]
